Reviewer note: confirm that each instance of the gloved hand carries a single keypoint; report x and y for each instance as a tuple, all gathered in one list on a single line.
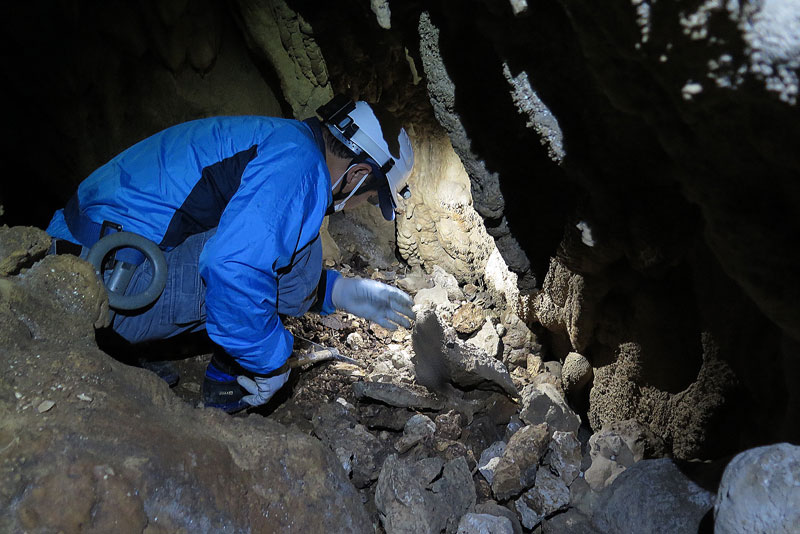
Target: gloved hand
[(372, 300), (261, 389)]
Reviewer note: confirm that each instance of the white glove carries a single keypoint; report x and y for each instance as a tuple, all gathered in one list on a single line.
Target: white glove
[(372, 300), (262, 388)]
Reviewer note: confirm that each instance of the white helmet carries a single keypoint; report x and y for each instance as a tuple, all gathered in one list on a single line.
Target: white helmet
[(381, 144)]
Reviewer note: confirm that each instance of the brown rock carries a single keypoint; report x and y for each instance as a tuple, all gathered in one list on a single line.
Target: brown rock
[(20, 246), (468, 319), (517, 467), (136, 455)]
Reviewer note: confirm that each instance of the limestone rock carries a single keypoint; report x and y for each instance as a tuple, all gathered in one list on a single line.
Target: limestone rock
[(760, 492), (20, 246), (516, 470), (617, 447), (571, 521), (487, 340), (418, 428), (655, 496), (680, 417), (517, 336), (490, 458), (435, 297), (448, 425), (546, 497), (543, 403), (359, 451), (423, 496), (284, 39), (222, 473), (576, 373), (484, 524), (546, 377), (492, 508), (399, 396), (446, 280), (468, 319), (564, 307), (565, 456), (440, 355), (414, 281)]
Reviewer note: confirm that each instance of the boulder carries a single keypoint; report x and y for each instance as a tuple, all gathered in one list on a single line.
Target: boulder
[(418, 428), (426, 495), (542, 403), (441, 358), (760, 492), (655, 496), (548, 496), (617, 447), (517, 467), (565, 456), (492, 508), (490, 458), (116, 451), (20, 246), (433, 298), (358, 450), (576, 373), (487, 340), (446, 280), (468, 319), (398, 396)]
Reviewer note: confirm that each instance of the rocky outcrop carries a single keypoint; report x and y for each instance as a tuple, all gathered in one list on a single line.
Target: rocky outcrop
[(90, 444), (680, 418), (286, 42)]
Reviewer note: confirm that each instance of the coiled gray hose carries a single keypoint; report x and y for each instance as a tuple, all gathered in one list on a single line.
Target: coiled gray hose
[(118, 282)]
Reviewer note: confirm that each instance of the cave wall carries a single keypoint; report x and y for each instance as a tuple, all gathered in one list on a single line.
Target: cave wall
[(646, 151), (661, 137), (85, 80)]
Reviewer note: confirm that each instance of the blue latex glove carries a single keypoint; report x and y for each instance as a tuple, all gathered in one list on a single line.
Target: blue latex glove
[(375, 301), (261, 389)]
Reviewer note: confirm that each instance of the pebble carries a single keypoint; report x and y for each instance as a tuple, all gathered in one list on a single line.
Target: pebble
[(45, 405), (84, 397), (354, 340)]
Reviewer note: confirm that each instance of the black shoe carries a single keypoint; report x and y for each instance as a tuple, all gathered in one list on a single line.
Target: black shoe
[(164, 369), (221, 390)]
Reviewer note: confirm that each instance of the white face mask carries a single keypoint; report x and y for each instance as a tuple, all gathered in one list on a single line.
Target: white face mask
[(340, 205)]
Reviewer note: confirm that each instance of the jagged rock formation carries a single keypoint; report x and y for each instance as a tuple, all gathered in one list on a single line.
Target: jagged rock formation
[(92, 445)]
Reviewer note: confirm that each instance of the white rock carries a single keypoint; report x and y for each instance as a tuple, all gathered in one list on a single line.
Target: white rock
[(760, 492), (487, 340), (354, 340)]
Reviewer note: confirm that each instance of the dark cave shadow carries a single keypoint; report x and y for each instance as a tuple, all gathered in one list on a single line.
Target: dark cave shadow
[(176, 348), (538, 195)]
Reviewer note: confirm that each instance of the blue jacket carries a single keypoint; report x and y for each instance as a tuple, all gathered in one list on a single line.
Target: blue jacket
[(263, 183)]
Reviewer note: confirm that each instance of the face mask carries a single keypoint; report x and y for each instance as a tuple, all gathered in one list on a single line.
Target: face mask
[(340, 205)]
